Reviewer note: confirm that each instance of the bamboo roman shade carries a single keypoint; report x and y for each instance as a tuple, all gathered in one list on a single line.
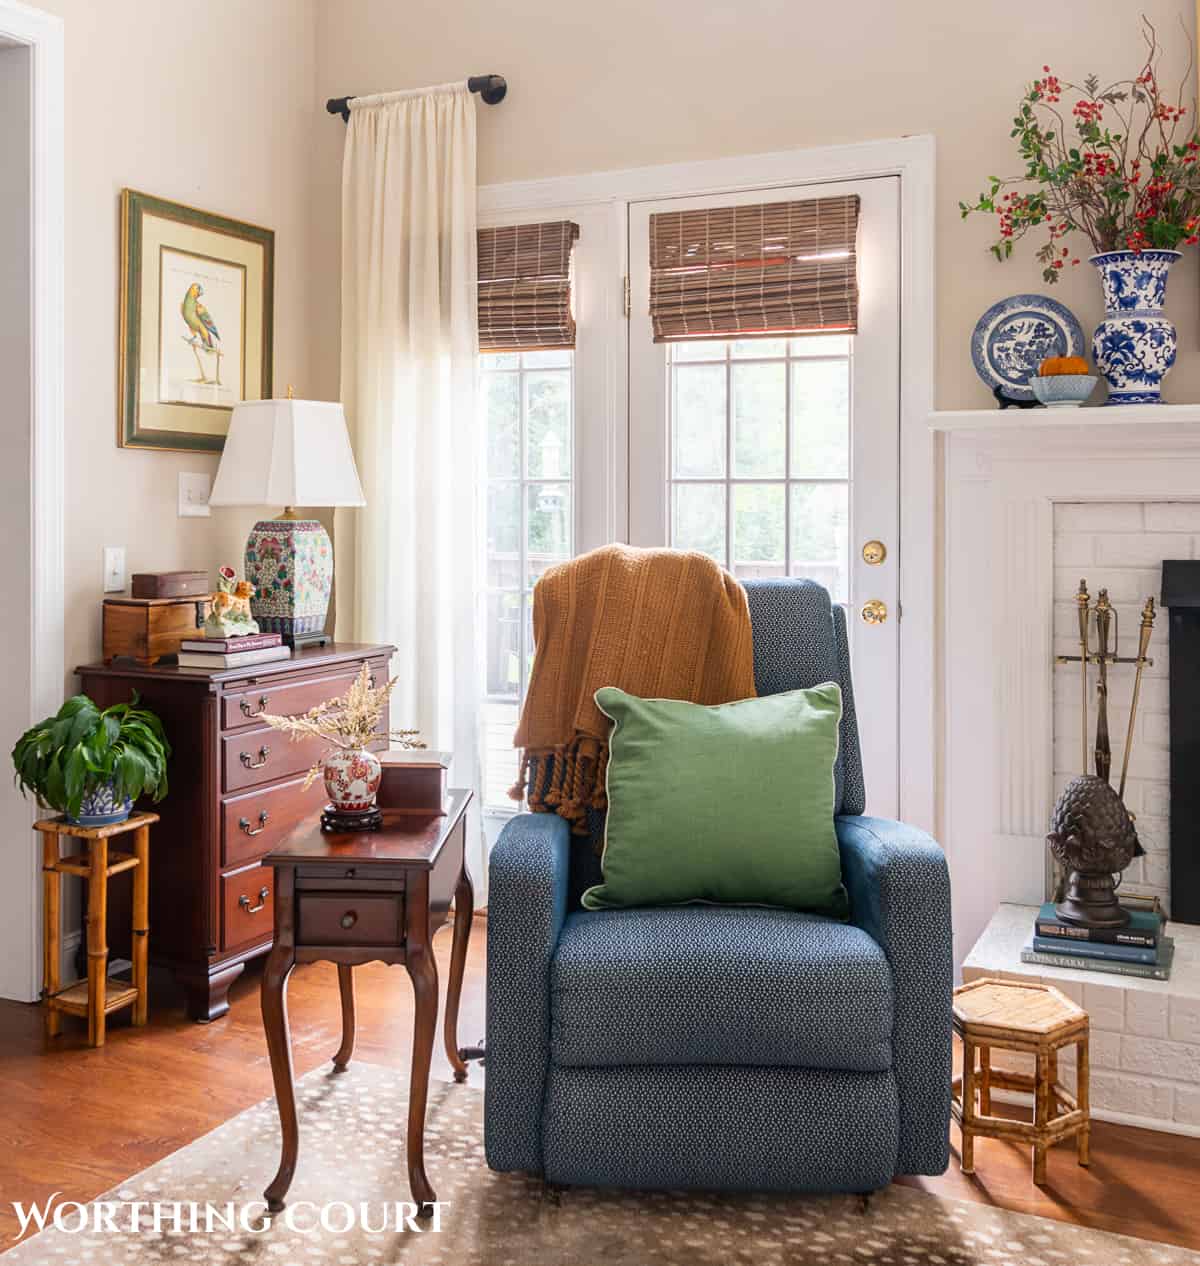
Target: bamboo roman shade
[(525, 286), (754, 271)]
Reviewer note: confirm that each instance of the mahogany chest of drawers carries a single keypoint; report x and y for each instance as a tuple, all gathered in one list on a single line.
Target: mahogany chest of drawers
[(236, 790)]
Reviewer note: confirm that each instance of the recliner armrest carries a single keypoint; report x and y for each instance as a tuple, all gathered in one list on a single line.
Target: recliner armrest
[(527, 902), (899, 887)]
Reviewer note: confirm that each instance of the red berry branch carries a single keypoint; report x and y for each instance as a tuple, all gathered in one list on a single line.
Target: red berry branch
[(1123, 171)]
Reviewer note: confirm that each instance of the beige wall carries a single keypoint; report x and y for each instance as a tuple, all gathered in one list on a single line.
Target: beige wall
[(637, 82), (207, 104)]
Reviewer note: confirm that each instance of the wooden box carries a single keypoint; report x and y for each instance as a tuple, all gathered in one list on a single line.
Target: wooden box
[(170, 584), (413, 780), (147, 629)]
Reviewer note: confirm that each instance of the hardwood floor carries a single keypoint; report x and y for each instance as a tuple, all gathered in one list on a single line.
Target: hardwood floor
[(78, 1121)]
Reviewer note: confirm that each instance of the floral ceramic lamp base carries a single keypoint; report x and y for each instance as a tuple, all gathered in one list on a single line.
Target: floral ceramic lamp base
[(290, 564)]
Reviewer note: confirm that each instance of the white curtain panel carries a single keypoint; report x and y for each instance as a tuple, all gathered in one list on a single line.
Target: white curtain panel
[(409, 349)]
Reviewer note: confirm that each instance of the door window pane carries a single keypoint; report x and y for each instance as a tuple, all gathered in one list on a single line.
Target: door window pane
[(699, 417), (821, 345), (503, 668), (549, 529), (504, 535), (759, 419), (548, 419), (698, 519), (699, 349), (820, 535), (500, 405), (820, 418), (759, 530), (758, 347)]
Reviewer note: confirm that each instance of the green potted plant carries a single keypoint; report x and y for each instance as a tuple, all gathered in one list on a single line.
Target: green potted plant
[(90, 764)]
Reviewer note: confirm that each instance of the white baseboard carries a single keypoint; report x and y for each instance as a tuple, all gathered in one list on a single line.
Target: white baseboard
[(1020, 1098), (70, 947)]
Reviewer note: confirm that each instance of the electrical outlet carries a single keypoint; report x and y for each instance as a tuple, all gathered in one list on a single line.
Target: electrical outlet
[(194, 490), (114, 569)]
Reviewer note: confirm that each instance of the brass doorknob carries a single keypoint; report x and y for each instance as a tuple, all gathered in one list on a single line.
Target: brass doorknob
[(874, 611), (874, 552)]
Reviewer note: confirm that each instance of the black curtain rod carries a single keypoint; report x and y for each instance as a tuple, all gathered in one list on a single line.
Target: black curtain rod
[(492, 88)]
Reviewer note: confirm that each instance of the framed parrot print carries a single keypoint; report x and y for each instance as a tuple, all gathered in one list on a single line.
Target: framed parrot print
[(197, 309)]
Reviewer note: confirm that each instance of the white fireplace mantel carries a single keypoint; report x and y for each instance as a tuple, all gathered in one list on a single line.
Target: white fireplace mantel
[(1158, 417), (1004, 471)]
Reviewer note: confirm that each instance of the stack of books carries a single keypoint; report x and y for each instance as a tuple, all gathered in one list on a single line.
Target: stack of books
[(218, 653), (1140, 948)]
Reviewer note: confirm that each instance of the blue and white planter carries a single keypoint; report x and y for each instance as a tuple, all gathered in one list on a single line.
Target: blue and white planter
[(100, 807), (1135, 344)]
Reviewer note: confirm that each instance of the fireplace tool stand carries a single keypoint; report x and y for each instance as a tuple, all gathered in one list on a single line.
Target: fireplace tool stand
[(1093, 836)]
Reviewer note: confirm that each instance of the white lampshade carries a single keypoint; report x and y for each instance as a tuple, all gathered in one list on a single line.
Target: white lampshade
[(287, 453)]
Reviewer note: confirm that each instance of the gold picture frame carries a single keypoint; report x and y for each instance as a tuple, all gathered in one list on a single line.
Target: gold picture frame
[(196, 323)]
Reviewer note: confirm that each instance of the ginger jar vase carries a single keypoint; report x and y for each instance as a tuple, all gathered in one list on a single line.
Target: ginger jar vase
[(351, 779), (1134, 346)]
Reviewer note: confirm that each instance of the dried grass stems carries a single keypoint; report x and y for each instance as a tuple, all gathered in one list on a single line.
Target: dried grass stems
[(349, 723)]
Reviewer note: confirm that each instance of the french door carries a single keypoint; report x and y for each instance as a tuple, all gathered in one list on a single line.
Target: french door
[(780, 456)]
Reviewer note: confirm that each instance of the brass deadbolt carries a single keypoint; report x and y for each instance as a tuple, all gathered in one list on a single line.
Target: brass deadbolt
[(874, 611), (874, 552)]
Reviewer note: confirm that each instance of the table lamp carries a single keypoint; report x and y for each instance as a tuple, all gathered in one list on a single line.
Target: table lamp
[(288, 453)]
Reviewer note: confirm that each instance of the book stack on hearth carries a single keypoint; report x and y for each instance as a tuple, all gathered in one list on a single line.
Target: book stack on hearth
[(219, 653), (1139, 948)]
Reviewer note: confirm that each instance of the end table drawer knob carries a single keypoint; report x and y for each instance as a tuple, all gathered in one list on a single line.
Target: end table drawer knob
[(249, 711), (349, 919), (247, 829)]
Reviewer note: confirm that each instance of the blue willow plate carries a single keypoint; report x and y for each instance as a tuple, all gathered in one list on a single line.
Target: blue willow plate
[(1015, 335)]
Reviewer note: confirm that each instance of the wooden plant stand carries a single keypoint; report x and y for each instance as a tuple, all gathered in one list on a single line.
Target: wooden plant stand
[(1014, 1015), (98, 995)]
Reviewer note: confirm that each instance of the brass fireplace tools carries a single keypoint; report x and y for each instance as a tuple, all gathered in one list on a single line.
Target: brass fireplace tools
[(1093, 835)]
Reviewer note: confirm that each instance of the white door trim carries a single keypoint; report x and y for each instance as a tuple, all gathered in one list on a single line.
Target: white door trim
[(21, 962), (912, 159)]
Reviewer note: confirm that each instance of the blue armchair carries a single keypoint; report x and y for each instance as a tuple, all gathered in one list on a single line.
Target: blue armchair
[(725, 1047)]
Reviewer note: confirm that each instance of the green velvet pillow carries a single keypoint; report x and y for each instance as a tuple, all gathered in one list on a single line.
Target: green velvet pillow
[(730, 804)]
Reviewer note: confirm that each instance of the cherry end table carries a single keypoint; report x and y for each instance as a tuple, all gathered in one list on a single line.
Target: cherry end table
[(370, 896)]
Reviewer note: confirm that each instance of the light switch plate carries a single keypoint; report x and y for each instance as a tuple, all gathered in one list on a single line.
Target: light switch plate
[(114, 569), (194, 490)]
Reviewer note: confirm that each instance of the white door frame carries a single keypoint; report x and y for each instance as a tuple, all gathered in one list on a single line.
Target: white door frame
[(20, 871), (912, 159)]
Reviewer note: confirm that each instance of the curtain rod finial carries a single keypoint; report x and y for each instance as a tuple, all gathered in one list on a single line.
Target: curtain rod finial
[(492, 88)]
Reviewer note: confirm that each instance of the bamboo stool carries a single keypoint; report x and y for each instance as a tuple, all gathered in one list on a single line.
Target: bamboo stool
[(99, 994), (1013, 1015)]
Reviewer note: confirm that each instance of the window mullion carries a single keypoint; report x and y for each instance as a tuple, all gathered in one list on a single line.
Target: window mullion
[(729, 562), (523, 550), (787, 460)]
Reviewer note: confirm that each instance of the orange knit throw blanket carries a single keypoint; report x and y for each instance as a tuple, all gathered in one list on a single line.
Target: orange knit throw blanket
[(658, 623)]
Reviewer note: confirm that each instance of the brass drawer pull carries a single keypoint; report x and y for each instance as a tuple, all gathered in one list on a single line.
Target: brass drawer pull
[(250, 762), (349, 919), (247, 829), (263, 893), (248, 711)]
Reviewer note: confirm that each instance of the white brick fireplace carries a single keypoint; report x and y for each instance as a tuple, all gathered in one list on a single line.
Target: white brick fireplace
[(1033, 502), (1120, 545)]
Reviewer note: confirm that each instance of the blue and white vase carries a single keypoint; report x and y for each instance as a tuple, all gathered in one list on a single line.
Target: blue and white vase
[(100, 807), (1135, 344)]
